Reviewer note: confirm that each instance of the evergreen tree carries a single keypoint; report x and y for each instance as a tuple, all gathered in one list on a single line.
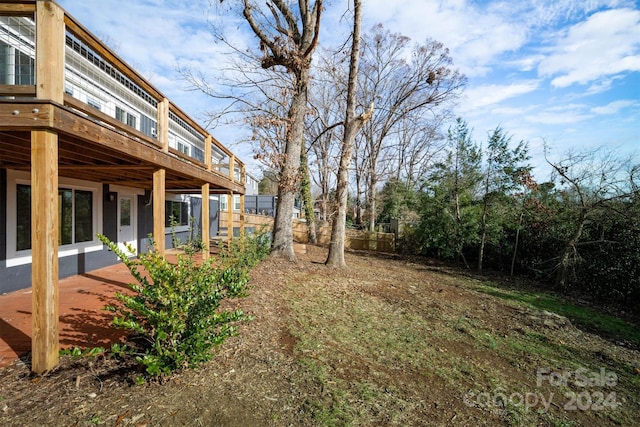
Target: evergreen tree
[(502, 170)]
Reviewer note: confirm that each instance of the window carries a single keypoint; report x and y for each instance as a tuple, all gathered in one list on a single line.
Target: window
[(93, 103), (75, 216), (24, 69), (183, 148), (125, 212), (23, 235), (148, 126), (83, 215), (120, 114), (6, 52), (131, 120), (176, 211), (125, 117), (223, 203), (16, 67), (65, 216), (236, 202)]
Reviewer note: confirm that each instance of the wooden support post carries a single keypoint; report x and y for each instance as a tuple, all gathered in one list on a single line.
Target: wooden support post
[(159, 178), (207, 151), (243, 179), (232, 168), (44, 250), (242, 216), (163, 124), (49, 70), (205, 221), (230, 216)]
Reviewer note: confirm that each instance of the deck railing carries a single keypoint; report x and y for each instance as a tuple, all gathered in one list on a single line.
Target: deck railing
[(100, 85)]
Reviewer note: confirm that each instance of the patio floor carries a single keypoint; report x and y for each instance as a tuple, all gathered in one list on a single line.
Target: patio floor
[(83, 323)]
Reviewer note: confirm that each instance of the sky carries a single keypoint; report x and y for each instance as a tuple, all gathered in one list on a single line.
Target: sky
[(565, 73)]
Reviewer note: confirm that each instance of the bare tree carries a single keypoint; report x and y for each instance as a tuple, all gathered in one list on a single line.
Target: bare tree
[(400, 87), (352, 126), (418, 143), (593, 180), (287, 39), (287, 35), (327, 100)]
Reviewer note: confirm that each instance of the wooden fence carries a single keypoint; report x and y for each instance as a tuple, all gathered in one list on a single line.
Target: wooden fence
[(354, 239), (361, 240)]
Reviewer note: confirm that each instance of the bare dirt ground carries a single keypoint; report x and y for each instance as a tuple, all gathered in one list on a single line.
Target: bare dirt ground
[(387, 341)]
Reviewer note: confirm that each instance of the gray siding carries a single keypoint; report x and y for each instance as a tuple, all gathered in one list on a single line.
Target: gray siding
[(3, 217), (19, 277)]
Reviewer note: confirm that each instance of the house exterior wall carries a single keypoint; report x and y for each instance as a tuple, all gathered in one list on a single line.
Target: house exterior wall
[(251, 185), (3, 218), (17, 277)]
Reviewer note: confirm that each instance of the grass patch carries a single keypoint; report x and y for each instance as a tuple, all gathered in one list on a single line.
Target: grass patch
[(388, 354), (585, 317)]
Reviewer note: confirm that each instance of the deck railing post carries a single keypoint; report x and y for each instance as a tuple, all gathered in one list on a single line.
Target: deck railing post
[(163, 124), (50, 42), (207, 152)]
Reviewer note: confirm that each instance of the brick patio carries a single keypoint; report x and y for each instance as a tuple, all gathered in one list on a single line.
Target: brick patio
[(83, 323)]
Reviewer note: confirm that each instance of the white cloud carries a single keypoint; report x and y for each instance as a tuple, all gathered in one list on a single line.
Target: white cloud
[(551, 117), (525, 63), (607, 43), (613, 107), (474, 34), (483, 96)]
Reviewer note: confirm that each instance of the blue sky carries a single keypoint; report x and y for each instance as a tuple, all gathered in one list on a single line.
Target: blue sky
[(562, 71)]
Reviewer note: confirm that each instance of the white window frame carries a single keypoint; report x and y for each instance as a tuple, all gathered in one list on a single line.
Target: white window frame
[(15, 258), (183, 199)]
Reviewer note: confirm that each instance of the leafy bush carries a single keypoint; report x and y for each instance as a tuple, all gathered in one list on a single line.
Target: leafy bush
[(245, 253), (175, 307)]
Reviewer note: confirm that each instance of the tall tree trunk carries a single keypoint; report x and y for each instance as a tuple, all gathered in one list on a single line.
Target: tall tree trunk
[(483, 231), (358, 201), (287, 188), (485, 213), (566, 262), (305, 189), (371, 198), (515, 245), (352, 125), (459, 245)]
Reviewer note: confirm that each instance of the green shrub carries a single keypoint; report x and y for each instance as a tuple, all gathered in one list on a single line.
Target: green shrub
[(245, 253), (175, 307)]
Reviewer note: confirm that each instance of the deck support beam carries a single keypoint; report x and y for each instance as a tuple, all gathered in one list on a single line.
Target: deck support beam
[(205, 221), (49, 70), (242, 221), (243, 181), (230, 217), (44, 250), (159, 186)]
